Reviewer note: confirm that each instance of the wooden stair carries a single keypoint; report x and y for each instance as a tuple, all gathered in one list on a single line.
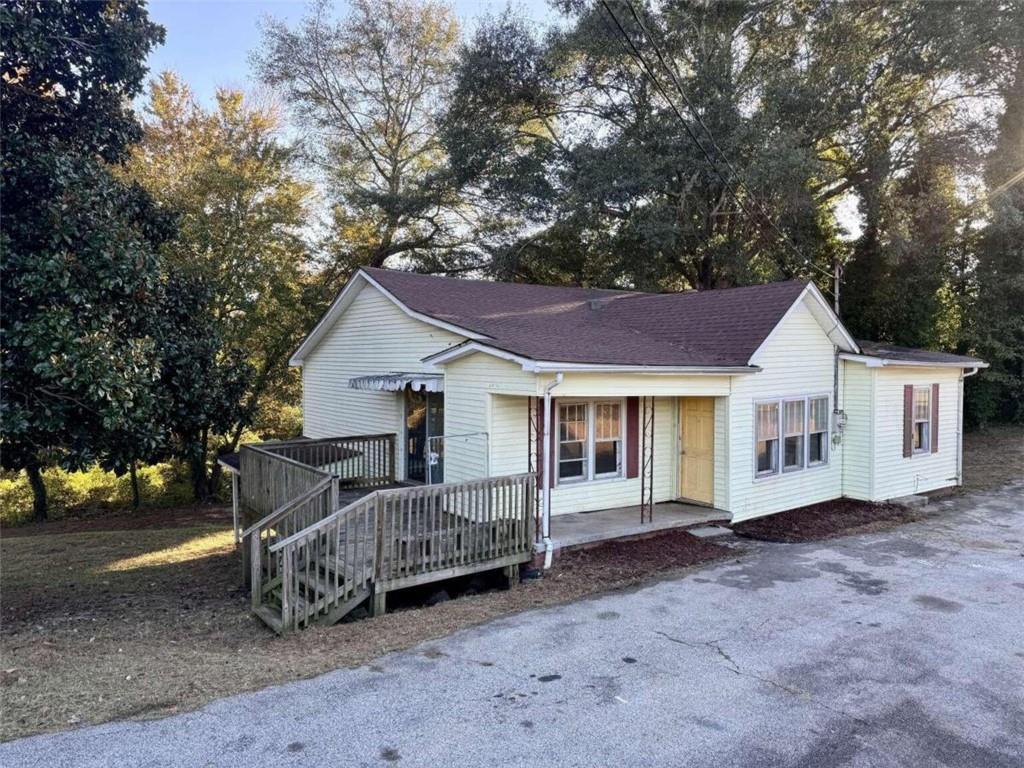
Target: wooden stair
[(323, 581)]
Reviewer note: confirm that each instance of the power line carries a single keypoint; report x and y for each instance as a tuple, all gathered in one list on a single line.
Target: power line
[(674, 75), (636, 54)]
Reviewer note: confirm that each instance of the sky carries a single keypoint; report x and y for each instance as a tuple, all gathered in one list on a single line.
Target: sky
[(208, 41)]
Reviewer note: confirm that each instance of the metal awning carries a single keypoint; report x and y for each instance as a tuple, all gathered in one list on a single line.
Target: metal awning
[(396, 382)]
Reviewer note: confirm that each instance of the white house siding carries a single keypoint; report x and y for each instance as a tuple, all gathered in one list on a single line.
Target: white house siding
[(796, 361), (479, 425), (857, 387), (372, 336), (898, 476), (721, 486), (576, 384)]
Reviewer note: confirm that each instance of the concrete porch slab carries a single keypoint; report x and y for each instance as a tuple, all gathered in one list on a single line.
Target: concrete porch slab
[(582, 528)]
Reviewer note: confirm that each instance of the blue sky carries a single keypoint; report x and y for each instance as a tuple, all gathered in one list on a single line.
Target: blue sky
[(208, 41)]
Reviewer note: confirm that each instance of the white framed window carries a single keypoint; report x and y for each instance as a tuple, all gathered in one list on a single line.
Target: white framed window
[(921, 436), (590, 440), (573, 440), (767, 436), (790, 434), (817, 431), (793, 438), (607, 439)]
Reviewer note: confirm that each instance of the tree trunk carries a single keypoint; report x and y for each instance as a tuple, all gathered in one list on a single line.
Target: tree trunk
[(197, 465), (35, 479), (133, 474)]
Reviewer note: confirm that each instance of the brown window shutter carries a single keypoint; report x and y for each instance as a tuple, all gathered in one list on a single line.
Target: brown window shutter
[(632, 437), (935, 418), (908, 420)]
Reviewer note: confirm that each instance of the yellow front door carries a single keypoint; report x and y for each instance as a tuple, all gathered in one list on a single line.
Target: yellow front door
[(697, 448)]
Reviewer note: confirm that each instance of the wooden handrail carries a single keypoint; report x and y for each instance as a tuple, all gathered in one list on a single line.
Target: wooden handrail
[(311, 529), (285, 508), (288, 460), (322, 440)]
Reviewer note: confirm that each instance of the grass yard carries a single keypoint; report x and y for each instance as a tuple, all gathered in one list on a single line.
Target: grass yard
[(993, 457)]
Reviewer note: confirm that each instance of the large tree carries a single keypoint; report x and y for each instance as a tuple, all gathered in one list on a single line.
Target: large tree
[(243, 210), (702, 144), (368, 90), (997, 327), (80, 268)]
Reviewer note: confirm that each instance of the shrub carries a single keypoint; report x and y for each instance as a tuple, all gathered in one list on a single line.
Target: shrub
[(93, 490)]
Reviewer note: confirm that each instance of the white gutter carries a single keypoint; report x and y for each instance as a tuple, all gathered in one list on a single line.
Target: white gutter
[(960, 425), (554, 366), (546, 498), (878, 362)]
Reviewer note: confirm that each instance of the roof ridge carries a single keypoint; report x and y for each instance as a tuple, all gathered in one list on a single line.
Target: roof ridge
[(628, 292)]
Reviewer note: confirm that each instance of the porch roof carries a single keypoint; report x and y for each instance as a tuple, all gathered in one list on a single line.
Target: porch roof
[(397, 381)]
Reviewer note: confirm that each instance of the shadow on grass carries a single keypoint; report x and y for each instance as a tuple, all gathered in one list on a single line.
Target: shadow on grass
[(137, 573)]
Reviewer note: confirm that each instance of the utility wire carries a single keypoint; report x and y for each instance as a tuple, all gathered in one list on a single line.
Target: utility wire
[(636, 54), (674, 75)]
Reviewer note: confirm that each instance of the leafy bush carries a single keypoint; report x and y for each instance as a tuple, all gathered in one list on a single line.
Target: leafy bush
[(93, 490)]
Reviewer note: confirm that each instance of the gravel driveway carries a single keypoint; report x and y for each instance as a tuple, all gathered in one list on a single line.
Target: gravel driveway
[(900, 648)]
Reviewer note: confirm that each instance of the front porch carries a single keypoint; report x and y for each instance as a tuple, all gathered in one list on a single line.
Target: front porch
[(582, 528)]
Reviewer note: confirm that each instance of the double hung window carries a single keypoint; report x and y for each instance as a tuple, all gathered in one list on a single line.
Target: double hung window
[(590, 444)]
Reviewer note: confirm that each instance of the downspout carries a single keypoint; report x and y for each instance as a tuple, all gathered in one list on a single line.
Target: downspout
[(546, 498), (960, 425)]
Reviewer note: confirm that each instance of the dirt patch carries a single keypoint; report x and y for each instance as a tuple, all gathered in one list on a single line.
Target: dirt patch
[(840, 517), (993, 457), (103, 625)]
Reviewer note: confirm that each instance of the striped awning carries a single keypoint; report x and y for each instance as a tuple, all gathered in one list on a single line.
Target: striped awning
[(396, 382)]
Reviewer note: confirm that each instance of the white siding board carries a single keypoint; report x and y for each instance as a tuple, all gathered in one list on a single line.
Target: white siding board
[(576, 384), (721, 484), (895, 475), (857, 400), (372, 336), (471, 408), (796, 361)]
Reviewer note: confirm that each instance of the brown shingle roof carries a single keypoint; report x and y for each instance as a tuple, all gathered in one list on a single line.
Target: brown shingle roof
[(585, 325), (921, 356)]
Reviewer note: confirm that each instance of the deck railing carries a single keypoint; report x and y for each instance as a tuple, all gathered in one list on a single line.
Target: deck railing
[(361, 461), (398, 538), (298, 514), (327, 566), (428, 531)]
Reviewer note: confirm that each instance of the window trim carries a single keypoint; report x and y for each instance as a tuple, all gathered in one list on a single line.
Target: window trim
[(827, 432), (926, 444), (804, 434), (590, 445), (758, 474), (807, 466)]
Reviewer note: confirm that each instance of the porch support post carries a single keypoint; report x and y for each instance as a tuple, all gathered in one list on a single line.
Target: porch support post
[(548, 548), (234, 509)]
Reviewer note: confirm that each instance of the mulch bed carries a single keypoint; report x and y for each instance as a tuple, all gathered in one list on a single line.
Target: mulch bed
[(827, 520), (663, 551)]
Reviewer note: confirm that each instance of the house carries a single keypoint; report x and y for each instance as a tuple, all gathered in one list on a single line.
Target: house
[(743, 401)]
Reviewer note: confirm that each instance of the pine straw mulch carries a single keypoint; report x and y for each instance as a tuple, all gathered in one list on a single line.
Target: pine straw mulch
[(102, 625), (827, 520)]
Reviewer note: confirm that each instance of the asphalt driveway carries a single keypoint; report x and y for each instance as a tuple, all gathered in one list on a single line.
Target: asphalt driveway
[(902, 648)]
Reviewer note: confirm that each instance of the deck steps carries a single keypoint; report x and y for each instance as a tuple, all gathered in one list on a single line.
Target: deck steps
[(328, 563)]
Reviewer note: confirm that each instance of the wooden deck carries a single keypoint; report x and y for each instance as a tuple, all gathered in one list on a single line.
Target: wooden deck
[(335, 543)]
